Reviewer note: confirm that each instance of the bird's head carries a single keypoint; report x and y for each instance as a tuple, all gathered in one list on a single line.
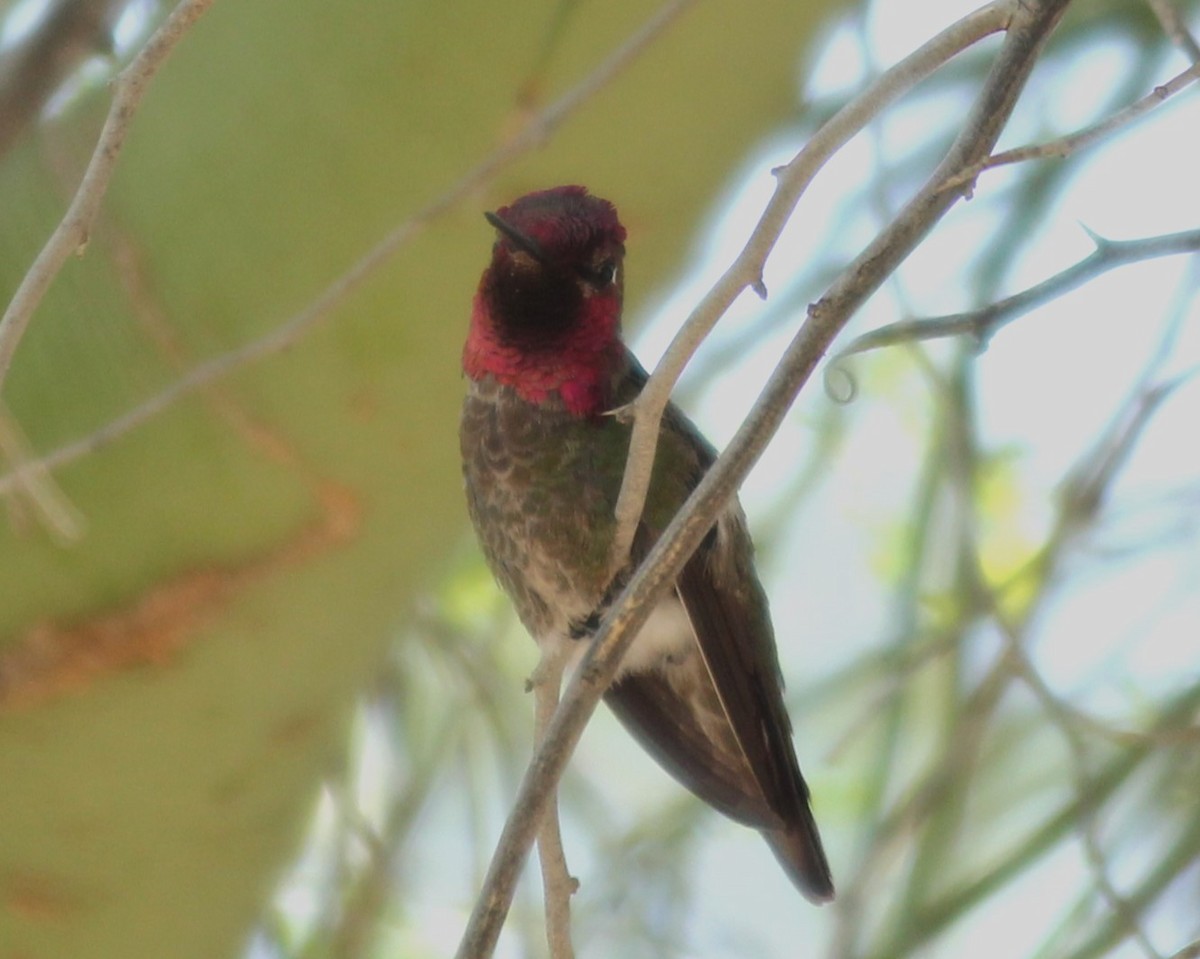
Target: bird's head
[(547, 314)]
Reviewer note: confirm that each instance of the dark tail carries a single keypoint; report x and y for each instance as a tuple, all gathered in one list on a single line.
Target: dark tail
[(799, 851)]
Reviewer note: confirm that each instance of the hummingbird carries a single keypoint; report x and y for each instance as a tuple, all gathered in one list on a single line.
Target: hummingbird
[(543, 457)]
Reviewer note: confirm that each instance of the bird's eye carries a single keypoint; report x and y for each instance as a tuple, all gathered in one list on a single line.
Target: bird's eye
[(601, 276), (605, 274)]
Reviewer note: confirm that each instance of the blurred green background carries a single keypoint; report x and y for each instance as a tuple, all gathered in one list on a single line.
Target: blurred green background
[(258, 697), (175, 680)]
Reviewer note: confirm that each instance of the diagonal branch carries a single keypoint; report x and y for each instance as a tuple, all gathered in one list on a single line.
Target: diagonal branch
[(936, 916), (746, 271), (1074, 142), (46, 501), (1175, 27), (1031, 24), (296, 327), (983, 324), (70, 236)]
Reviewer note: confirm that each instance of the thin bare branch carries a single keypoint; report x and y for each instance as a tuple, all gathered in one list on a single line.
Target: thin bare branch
[(1074, 142), (1177, 858), (1065, 718), (70, 236), (937, 915), (558, 885), (536, 131), (982, 324), (366, 902), (746, 271), (48, 502), (1098, 469), (1030, 25), (1174, 27), (1085, 489)]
